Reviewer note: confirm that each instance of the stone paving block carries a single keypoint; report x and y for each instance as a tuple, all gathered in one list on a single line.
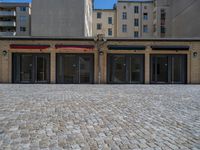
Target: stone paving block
[(95, 117)]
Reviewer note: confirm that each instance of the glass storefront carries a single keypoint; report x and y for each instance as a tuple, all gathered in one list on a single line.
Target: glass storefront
[(168, 69), (31, 68), (125, 69), (75, 68)]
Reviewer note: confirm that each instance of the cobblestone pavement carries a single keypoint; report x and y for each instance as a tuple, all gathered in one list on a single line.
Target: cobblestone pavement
[(147, 117)]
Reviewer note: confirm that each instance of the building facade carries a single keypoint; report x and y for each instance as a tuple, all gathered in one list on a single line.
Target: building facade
[(134, 19), (15, 19), (85, 61), (64, 18), (155, 19), (104, 22)]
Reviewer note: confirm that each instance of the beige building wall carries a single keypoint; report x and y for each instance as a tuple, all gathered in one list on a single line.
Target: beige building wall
[(105, 14), (193, 67), (125, 6), (64, 18)]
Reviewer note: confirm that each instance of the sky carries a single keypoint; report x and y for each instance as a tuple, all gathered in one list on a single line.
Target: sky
[(99, 4)]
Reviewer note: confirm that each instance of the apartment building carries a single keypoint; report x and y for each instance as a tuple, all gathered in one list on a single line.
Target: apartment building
[(134, 19), (162, 18), (14, 19), (67, 18), (104, 22)]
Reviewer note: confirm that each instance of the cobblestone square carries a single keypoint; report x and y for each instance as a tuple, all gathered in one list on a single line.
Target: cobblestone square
[(104, 117)]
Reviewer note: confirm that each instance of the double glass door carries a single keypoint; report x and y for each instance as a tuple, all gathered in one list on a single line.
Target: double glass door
[(125, 68), (168, 68), (74, 68), (31, 68)]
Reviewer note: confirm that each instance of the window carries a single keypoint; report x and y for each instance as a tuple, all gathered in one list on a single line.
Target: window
[(124, 15), (124, 28), (99, 26), (136, 22), (22, 8), (110, 31), (163, 14), (22, 18), (145, 16), (136, 34), (145, 28), (99, 15), (110, 20), (136, 9), (23, 29), (163, 30)]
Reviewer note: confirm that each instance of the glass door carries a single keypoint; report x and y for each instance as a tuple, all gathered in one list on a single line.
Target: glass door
[(178, 69), (74, 68), (159, 69), (26, 68), (137, 69), (70, 69), (42, 69), (168, 68), (30, 68), (85, 69), (118, 69)]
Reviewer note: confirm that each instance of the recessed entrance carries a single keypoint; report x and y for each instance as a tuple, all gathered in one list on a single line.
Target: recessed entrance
[(125, 69), (168, 68), (75, 68), (31, 68)]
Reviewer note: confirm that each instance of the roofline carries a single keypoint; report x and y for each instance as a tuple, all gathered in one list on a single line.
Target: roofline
[(92, 38)]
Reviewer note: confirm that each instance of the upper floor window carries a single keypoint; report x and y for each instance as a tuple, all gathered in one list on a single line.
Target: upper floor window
[(136, 22), (110, 31), (99, 26), (23, 29), (145, 28), (22, 18), (124, 15), (136, 34), (124, 28), (163, 14), (22, 8), (145, 16), (136, 9), (110, 21), (99, 14)]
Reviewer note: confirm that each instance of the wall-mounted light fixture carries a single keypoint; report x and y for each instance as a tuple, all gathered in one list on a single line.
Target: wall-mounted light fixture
[(195, 54), (5, 52)]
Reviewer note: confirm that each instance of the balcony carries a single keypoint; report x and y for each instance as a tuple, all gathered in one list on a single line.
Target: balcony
[(7, 24), (7, 13), (7, 33)]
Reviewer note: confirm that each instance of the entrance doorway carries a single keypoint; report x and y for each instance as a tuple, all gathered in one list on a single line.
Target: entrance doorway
[(31, 68), (168, 69), (75, 68), (125, 69)]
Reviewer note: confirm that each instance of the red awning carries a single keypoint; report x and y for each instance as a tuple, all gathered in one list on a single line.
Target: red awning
[(21, 46), (75, 47)]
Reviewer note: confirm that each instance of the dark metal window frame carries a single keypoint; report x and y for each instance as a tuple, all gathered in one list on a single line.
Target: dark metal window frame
[(128, 69), (16, 64), (77, 55), (169, 76)]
